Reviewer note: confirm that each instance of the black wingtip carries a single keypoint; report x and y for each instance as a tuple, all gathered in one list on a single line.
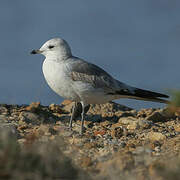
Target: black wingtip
[(142, 94), (149, 94)]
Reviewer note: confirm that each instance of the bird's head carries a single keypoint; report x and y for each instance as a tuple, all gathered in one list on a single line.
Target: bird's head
[(54, 48)]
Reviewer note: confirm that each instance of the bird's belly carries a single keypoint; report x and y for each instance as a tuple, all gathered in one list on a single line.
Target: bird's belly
[(58, 80), (90, 95), (97, 98)]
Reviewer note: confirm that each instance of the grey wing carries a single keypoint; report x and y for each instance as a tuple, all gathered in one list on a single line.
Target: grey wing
[(97, 77)]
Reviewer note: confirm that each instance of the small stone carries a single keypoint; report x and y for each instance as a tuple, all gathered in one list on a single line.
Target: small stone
[(177, 128), (21, 141), (156, 117), (33, 107), (107, 109), (30, 138), (3, 118), (134, 125), (122, 144), (157, 149), (66, 102), (144, 124), (9, 128), (131, 122), (116, 125), (174, 110), (86, 161), (119, 162), (101, 132), (3, 110), (29, 117), (57, 127), (90, 145), (167, 113), (145, 112), (105, 123), (127, 120), (52, 131), (42, 130), (127, 114), (22, 127), (139, 150), (156, 136), (117, 132), (67, 106), (55, 108)]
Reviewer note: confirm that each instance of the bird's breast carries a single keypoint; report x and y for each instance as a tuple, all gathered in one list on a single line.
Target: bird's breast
[(58, 78)]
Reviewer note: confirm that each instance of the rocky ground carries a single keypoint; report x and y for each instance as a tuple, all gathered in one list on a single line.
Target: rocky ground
[(118, 143)]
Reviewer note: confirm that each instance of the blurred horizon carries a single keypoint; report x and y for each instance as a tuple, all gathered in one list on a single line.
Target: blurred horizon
[(136, 42)]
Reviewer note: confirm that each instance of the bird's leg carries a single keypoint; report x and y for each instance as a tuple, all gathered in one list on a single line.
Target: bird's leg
[(72, 115), (82, 119)]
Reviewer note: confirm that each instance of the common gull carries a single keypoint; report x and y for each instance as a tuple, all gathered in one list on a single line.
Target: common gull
[(80, 81)]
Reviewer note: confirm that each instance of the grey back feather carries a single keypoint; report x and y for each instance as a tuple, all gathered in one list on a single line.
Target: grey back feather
[(90, 73)]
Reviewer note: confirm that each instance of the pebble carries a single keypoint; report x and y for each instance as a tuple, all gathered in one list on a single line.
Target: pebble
[(177, 127), (100, 132), (7, 127), (3, 118), (3, 110), (134, 125), (144, 124), (117, 132), (156, 136), (127, 120), (55, 108), (156, 117), (121, 140), (33, 107), (86, 161), (29, 117)]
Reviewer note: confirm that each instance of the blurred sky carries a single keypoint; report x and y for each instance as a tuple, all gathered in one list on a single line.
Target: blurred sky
[(138, 42)]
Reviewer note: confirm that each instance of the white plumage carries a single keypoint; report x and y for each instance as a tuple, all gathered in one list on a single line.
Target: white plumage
[(81, 81)]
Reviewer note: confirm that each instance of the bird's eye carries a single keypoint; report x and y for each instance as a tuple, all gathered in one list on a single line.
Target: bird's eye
[(50, 47)]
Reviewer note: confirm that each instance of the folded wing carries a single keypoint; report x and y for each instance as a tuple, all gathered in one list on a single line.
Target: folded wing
[(98, 78)]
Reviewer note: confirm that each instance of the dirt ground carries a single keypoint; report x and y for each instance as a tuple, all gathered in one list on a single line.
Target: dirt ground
[(118, 143)]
